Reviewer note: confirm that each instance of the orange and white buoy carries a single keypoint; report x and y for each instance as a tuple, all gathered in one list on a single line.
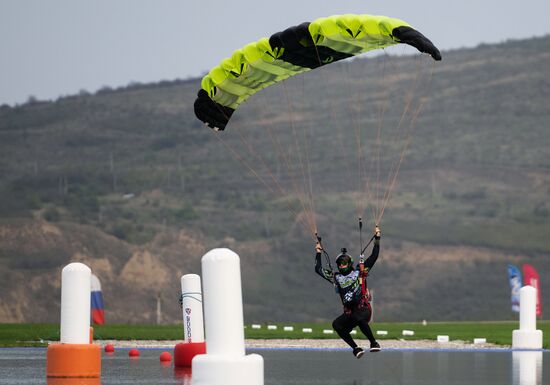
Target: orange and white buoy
[(75, 356)]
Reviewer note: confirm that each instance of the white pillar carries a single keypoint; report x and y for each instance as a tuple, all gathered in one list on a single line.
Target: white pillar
[(75, 304), (225, 361), (191, 293), (527, 337)]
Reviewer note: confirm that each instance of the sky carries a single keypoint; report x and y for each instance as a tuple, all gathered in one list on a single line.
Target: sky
[(53, 48)]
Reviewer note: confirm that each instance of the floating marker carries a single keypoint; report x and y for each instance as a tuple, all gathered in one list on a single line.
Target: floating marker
[(109, 348), (75, 356), (225, 361), (165, 357), (133, 353), (408, 333), (527, 337), (442, 339), (193, 324)]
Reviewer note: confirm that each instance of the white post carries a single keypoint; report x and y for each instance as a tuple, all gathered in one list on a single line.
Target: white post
[(75, 304), (191, 294), (225, 361), (527, 337)]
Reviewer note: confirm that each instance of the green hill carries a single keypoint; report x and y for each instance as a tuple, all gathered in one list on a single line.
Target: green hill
[(131, 183)]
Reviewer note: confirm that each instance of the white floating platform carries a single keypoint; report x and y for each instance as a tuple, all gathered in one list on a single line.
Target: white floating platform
[(442, 339)]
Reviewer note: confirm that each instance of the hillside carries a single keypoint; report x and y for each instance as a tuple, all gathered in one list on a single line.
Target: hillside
[(131, 183)]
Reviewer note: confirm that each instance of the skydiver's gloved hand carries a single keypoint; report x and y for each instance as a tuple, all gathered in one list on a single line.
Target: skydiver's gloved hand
[(377, 232), (377, 235), (318, 247)]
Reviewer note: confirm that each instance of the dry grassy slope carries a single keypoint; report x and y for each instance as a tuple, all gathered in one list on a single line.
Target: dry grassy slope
[(407, 280)]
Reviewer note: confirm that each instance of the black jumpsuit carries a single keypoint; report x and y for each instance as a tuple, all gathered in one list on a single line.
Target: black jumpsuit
[(349, 289)]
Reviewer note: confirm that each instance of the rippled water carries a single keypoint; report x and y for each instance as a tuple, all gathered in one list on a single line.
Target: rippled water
[(307, 367)]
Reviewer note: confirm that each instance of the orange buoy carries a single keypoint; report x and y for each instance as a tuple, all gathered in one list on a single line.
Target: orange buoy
[(109, 348), (165, 357), (184, 353), (133, 353), (73, 360)]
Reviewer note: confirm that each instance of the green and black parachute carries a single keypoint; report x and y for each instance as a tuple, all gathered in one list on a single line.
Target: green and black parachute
[(296, 50)]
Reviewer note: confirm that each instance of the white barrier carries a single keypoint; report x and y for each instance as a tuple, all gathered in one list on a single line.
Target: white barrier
[(328, 331), (382, 332), (255, 326), (271, 327), (307, 330), (288, 328), (478, 341), (408, 333)]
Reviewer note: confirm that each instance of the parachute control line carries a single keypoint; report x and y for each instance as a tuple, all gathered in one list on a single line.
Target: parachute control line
[(225, 361), (75, 356), (193, 324)]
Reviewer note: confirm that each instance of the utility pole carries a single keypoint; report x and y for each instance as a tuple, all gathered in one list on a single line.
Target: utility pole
[(159, 312)]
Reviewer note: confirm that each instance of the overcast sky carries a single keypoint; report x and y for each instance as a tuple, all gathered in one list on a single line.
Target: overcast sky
[(51, 48)]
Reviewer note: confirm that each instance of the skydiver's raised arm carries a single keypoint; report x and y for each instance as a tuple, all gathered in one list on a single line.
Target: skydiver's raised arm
[(371, 260), (325, 273)]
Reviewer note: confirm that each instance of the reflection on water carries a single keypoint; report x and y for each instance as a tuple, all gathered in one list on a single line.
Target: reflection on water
[(527, 368), (305, 367)]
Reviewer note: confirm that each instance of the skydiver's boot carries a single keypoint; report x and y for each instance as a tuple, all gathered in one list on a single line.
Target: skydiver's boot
[(358, 352), (374, 347)]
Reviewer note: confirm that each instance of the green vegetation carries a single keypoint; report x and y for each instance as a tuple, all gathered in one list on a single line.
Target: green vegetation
[(132, 170), (495, 332)]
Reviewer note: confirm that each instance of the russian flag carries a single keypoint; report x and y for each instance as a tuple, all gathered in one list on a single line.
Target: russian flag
[(98, 315)]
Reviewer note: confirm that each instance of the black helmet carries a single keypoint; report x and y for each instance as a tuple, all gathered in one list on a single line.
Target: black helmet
[(344, 262)]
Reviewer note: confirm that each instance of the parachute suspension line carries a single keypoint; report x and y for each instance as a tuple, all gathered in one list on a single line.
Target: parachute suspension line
[(307, 193), (239, 158), (355, 113), (404, 135), (281, 154), (403, 152)]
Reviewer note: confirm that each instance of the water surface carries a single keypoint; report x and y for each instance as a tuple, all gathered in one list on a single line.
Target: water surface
[(26, 366)]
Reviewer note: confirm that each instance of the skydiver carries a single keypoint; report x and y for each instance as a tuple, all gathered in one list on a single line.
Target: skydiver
[(355, 296)]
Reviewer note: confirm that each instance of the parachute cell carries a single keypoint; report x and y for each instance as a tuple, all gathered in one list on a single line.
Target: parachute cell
[(296, 50)]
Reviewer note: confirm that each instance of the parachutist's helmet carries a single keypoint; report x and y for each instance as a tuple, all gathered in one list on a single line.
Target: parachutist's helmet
[(344, 262)]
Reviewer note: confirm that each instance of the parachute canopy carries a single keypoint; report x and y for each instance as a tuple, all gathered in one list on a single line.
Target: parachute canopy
[(296, 50)]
